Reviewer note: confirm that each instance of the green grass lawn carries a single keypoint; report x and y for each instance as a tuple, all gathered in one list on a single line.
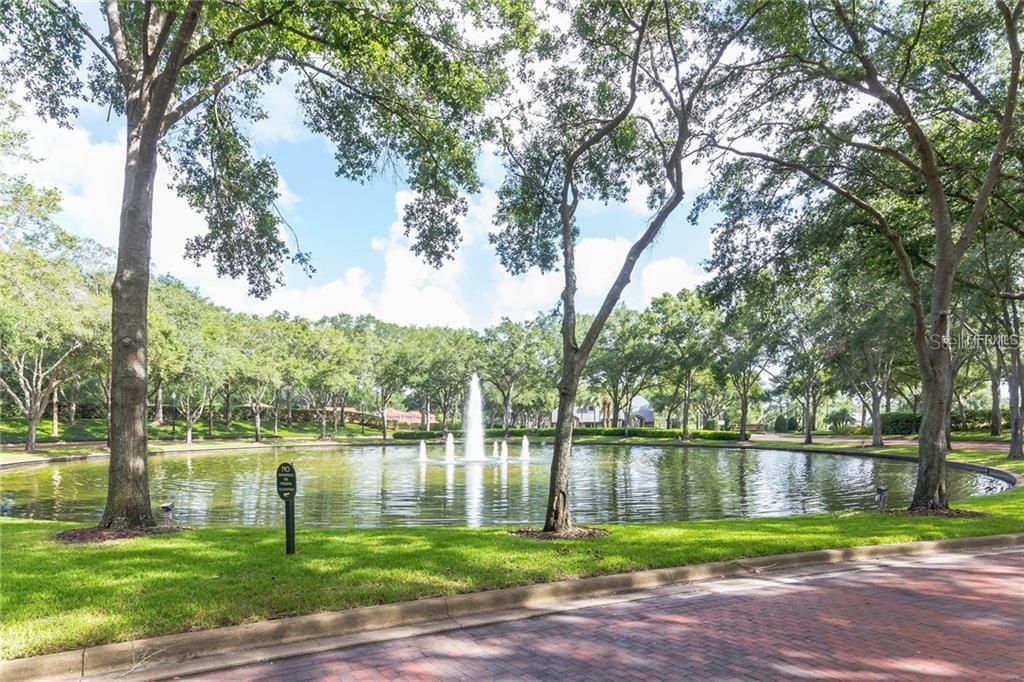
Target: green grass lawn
[(56, 597), (14, 429)]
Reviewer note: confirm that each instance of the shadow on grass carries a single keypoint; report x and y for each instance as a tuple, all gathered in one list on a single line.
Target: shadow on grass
[(59, 597)]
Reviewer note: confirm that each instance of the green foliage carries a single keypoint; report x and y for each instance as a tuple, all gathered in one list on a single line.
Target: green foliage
[(900, 423), (401, 87), (839, 420), (781, 424), (583, 432), (233, 575)]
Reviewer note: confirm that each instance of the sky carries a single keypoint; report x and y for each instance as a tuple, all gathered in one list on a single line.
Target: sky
[(354, 233)]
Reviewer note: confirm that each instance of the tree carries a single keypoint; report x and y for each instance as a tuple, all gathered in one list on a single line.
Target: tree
[(625, 361), (613, 105), (805, 336), (261, 348), (392, 362), (192, 382), (512, 352), (914, 109), (686, 326), (399, 81), (48, 318), (327, 363), (744, 353), (452, 355)]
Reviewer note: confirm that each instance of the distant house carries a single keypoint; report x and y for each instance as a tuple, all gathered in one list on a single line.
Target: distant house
[(414, 417), (640, 414)]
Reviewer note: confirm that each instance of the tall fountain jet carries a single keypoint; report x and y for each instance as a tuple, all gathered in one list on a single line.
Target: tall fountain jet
[(503, 452), (474, 433), (524, 452), (449, 448), (423, 451)]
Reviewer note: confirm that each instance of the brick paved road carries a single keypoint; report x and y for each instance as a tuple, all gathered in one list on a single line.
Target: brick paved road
[(958, 616)]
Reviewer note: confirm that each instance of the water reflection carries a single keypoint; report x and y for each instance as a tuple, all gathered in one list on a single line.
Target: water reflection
[(374, 486)]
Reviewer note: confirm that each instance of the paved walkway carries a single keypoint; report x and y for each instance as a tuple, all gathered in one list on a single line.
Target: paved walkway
[(946, 616)]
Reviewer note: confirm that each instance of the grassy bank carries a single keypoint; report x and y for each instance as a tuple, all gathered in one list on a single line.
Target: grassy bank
[(56, 597), (14, 430)]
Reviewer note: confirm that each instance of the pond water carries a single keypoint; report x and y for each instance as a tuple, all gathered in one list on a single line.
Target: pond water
[(387, 486)]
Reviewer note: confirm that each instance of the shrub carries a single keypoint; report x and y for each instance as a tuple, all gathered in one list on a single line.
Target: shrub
[(792, 424), (975, 420), (582, 431), (900, 423), (715, 435), (780, 424)]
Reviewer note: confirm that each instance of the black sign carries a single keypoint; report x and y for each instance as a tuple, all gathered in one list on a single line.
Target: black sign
[(286, 481)]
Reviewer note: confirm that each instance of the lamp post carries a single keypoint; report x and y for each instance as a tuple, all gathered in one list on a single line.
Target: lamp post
[(174, 414)]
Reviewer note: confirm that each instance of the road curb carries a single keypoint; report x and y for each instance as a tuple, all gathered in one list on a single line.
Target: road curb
[(216, 649)]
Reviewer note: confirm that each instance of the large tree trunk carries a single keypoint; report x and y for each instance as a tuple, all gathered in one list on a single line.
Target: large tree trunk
[(1016, 410), (227, 406), (30, 436), (744, 406), (930, 489), (55, 415), (158, 415), (288, 398), (128, 502), (323, 424), (506, 412), (257, 420), (72, 409), (686, 405), (876, 417), (557, 518), (188, 429), (808, 429), (995, 426)]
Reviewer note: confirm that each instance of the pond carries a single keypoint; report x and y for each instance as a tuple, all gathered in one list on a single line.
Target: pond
[(374, 486)]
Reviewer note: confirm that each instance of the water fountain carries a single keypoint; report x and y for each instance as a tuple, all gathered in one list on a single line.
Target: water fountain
[(423, 451), (503, 453), (474, 433), (524, 450), (449, 448), (494, 449)]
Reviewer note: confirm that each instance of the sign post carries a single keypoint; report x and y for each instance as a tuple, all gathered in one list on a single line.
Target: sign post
[(286, 491)]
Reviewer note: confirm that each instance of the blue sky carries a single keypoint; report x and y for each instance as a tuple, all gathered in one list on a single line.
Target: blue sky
[(362, 261)]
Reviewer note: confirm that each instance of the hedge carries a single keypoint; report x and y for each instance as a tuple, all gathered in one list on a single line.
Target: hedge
[(900, 423), (644, 431)]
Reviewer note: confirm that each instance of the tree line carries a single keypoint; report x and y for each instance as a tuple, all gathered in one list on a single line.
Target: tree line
[(872, 138)]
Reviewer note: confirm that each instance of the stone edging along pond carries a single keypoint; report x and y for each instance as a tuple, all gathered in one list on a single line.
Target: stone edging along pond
[(1006, 476)]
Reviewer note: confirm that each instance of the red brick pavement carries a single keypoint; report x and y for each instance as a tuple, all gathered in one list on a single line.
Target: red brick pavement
[(950, 616)]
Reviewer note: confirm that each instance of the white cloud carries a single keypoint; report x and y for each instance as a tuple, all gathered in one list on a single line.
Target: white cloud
[(413, 292), (668, 275), (598, 262), (346, 294), (89, 174), (284, 122)]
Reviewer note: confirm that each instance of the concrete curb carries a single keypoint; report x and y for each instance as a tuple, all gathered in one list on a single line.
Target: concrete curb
[(203, 651)]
